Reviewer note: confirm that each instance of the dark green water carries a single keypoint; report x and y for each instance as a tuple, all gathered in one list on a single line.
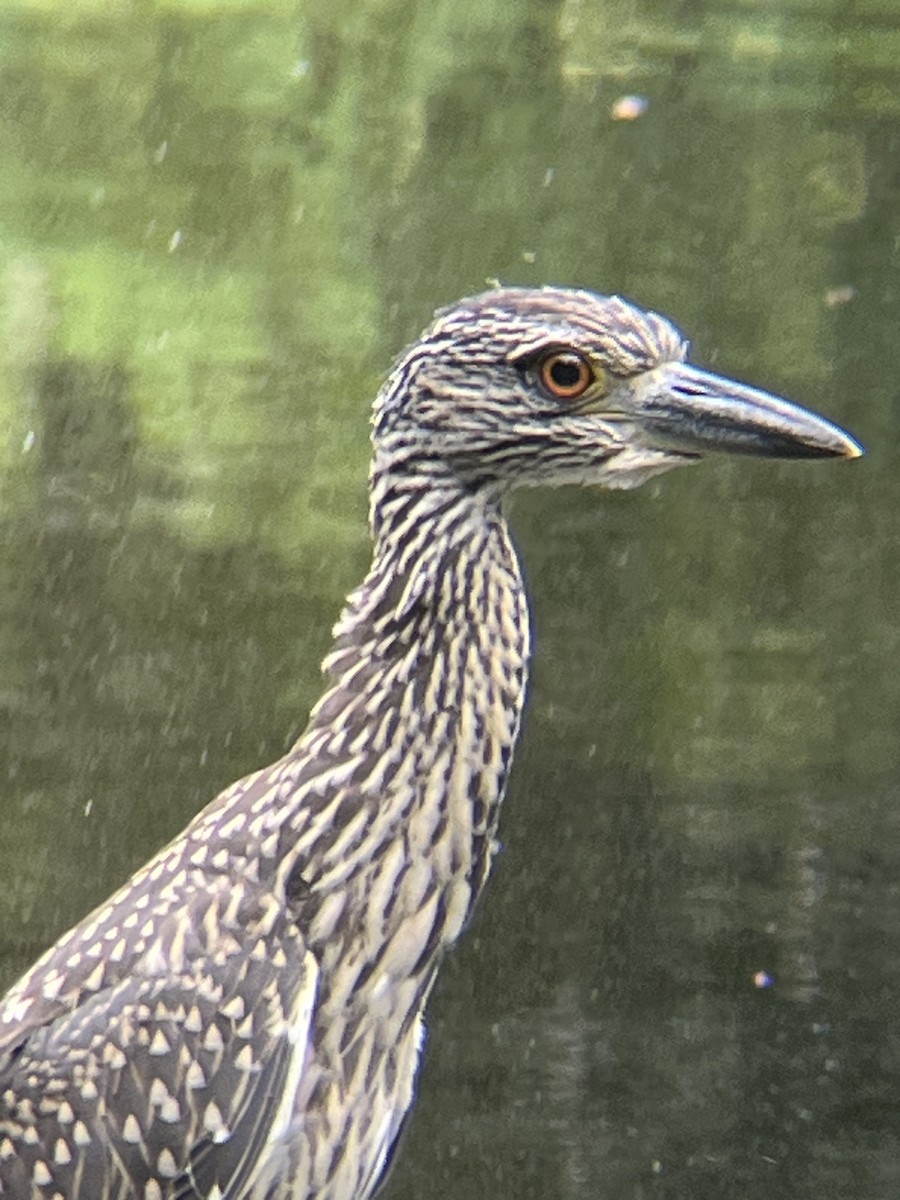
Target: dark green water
[(218, 222)]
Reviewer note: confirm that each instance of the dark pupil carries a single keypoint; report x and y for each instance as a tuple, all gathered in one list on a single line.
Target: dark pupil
[(566, 372)]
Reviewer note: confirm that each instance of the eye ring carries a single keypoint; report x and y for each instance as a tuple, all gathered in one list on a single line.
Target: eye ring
[(565, 374)]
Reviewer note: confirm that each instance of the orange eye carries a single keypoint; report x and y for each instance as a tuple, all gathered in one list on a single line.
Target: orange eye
[(565, 374)]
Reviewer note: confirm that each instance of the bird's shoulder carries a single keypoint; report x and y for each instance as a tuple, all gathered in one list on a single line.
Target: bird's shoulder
[(184, 1038), (206, 896)]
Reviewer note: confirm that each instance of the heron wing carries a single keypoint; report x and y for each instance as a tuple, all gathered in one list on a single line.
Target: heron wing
[(181, 1072)]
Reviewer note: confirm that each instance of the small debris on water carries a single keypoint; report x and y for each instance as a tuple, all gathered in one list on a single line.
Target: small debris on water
[(835, 297), (629, 108)]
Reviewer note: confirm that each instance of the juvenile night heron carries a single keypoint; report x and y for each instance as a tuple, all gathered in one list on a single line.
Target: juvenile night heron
[(243, 1018)]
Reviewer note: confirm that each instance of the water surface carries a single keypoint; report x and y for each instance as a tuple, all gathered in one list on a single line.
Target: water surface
[(218, 222)]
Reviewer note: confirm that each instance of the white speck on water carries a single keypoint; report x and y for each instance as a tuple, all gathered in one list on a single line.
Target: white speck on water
[(629, 108)]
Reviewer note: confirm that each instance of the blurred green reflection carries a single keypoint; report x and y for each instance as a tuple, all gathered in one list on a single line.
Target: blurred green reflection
[(218, 221)]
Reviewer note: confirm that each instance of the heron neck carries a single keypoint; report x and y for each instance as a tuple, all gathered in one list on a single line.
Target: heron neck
[(415, 734)]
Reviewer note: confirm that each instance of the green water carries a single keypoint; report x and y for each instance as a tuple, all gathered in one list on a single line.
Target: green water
[(218, 222)]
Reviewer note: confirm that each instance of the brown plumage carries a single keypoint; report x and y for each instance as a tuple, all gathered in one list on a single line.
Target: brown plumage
[(243, 1018)]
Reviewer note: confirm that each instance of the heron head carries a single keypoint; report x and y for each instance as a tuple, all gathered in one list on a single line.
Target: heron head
[(523, 387)]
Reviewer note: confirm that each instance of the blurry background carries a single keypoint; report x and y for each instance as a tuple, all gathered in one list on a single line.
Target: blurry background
[(219, 220)]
